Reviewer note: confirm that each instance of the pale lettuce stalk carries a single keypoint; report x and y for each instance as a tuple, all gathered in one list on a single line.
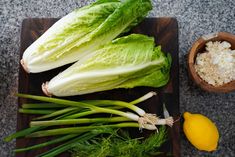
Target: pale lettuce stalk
[(83, 31), (126, 62), (43, 54)]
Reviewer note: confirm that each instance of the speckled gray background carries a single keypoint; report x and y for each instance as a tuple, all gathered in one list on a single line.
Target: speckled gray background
[(195, 18)]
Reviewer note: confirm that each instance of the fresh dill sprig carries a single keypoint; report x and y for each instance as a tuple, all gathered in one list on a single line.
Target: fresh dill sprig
[(121, 145)]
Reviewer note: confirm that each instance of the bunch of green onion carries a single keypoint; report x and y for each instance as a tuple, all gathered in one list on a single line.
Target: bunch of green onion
[(66, 112)]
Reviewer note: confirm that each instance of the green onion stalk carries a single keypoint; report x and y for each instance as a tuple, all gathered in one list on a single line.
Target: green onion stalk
[(66, 112), (141, 116)]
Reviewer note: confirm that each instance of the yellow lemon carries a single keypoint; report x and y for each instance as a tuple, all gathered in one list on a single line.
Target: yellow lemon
[(200, 131)]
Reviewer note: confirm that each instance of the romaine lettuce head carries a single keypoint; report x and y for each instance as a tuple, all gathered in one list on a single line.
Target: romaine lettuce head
[(126, 62), (83, 31)]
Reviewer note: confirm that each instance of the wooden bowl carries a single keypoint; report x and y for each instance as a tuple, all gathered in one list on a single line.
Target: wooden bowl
[(199, 47)]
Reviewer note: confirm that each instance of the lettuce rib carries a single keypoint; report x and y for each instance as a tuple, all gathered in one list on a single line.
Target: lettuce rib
[(83, 31), (127, 62)]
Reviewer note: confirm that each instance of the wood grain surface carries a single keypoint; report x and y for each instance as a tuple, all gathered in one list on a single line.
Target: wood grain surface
[(165, 32)]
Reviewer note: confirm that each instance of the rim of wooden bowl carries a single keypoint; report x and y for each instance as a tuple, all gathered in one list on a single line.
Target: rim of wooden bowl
[(198, 47)]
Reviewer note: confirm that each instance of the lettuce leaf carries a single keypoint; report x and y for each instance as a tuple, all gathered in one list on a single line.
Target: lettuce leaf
[(126, 62), (83, 31)]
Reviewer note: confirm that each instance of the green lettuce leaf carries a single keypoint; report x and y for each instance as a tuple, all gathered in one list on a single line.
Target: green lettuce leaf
[(126, 62), (83, 31)]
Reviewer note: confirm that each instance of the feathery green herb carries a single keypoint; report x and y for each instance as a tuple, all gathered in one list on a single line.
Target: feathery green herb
[(117, 145)]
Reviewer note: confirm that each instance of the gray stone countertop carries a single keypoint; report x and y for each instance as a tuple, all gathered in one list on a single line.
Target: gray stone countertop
[(195, 18)]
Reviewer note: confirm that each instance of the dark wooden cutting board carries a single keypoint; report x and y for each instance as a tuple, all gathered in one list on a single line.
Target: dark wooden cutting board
[(165, 32)]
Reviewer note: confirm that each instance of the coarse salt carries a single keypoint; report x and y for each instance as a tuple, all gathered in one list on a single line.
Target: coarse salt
[(217, 65)]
